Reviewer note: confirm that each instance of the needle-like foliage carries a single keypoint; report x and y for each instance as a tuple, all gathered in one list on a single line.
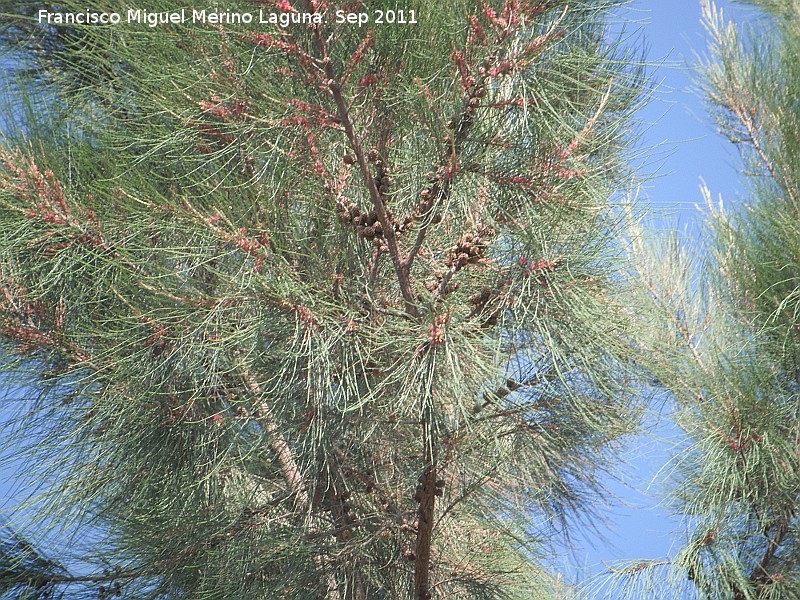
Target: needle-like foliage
[(735, 370), (318, 310)]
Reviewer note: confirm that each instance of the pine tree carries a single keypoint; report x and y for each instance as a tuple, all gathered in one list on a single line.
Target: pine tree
[(735, 374), (315, 310)]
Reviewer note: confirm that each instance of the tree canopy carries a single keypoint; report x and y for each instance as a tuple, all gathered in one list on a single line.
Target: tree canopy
[(735, 374), (318, 310)]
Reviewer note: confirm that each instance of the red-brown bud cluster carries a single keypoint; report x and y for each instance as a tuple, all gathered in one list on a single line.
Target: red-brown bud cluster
[(483, 70), (538, 266), (426, 200), (481, 298), (436, 330), (366, 224), (472, 101), (406, 225), (470, 248), (383, 182)]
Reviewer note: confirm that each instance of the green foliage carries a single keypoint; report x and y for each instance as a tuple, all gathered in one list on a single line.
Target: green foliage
[(735, 370), (323, 311)]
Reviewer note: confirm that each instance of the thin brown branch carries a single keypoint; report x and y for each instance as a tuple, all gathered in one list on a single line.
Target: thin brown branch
[(760, 574), (290, 470), (373, 275), (747, 119), (343, 113), (439, 190), (41, 580)]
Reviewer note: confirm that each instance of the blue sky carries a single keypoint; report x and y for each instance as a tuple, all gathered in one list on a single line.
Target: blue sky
[(686, 149)]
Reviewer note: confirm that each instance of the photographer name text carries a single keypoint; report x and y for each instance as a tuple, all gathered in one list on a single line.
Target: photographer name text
[(138, 16)]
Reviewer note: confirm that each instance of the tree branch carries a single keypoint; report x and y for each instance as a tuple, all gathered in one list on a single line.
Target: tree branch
[(289, 468), (426, 495), (377, 201), (746, 117), (760, 575), (439, 190)]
